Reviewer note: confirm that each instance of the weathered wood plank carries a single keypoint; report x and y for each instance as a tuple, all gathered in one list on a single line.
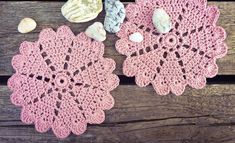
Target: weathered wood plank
[(135, 103), (205, 116), (47, 14), (146, 132)]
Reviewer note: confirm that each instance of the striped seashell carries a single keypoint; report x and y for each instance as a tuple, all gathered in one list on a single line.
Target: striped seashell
[(78, 11)]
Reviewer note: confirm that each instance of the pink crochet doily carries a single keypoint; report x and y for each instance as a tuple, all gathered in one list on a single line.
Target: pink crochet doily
[(184, 56), (62, 82)]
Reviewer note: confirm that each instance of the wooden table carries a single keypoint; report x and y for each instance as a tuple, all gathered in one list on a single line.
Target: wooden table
[(139, 115)]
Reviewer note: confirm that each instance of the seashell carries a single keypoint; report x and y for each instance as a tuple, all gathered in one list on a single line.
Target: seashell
[(96, 31), (78, 11), (26, 25), (136, 37), (115, 15), (162, 20)]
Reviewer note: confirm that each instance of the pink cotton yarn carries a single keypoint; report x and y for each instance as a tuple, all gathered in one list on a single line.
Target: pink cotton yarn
[(184, 56), (62, 82)]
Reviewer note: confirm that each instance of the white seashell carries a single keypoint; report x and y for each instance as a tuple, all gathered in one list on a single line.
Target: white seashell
[(78, 11), (96, 31), (162, 20), (26, 25), (136, 37)]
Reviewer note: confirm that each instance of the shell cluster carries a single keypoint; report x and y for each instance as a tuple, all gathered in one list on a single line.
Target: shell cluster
[(161, 21), (78, 11), (115, 15)]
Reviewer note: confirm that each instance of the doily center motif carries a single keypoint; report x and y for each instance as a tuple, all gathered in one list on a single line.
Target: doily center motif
[(62, 80), (171, 40)]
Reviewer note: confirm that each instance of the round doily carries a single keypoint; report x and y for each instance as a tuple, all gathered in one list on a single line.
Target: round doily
[(62, 82), (184, 56)]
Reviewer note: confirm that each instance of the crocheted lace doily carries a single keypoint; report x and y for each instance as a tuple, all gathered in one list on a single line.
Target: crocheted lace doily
[(62, 82), (184, 56)]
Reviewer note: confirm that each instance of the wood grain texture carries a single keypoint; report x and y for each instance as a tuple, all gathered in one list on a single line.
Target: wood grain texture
[(47, 14), (141, 116)]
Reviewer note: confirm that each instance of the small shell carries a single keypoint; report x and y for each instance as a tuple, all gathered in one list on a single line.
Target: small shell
[(78, 11), (26, 25), (162, 20), (136, 37), (96, 31)]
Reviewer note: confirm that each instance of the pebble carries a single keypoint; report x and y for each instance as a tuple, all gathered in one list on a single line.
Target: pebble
[(136, 37), (96, 31), (27, 25), (78, 11), (115, 15), (161, 20)]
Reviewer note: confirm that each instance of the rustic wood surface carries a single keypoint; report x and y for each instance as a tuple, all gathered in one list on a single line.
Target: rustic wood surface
[(199, 116), (139, 115), (47, 14)]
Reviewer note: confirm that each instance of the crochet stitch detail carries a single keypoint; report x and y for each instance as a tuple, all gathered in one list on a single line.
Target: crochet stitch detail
[(184, 56), (62, 82)]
